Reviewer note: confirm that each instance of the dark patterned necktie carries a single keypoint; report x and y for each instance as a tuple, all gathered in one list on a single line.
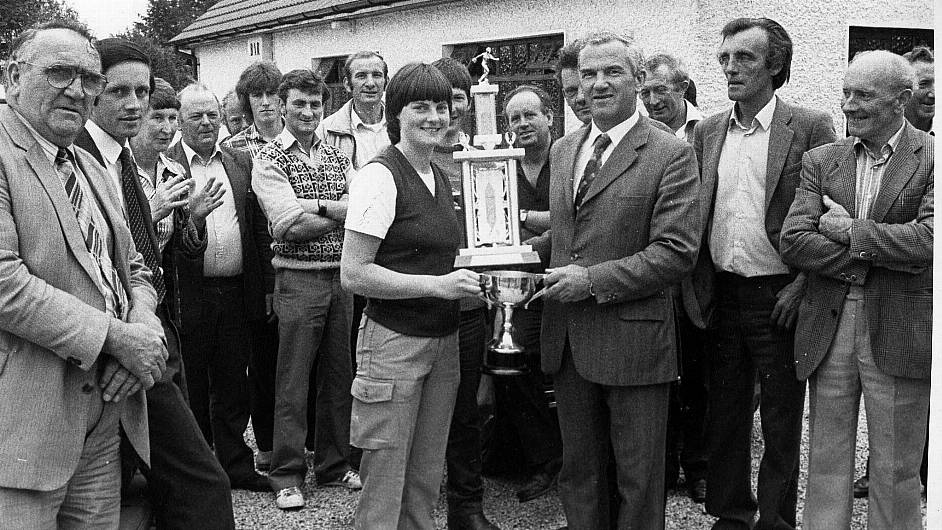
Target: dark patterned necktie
[(592, 168), (65, 168), (139, 232)]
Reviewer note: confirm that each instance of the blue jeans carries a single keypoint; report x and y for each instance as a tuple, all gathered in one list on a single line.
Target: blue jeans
[(404, 394)]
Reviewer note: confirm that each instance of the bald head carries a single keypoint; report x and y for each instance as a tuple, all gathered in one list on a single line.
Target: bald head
[(877, 87)]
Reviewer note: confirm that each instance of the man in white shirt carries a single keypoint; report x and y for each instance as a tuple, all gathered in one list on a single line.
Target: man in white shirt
[(750, 160), (181, 463), (222, 289)]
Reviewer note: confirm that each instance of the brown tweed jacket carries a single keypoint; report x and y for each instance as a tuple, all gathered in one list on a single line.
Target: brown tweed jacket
[(637, 232), (890, 255), (794, 130)]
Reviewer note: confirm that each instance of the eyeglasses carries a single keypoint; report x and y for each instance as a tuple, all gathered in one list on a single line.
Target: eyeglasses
[(62, 76)]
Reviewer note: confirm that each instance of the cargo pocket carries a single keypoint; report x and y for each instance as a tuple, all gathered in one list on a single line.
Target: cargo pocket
[(373, 419)]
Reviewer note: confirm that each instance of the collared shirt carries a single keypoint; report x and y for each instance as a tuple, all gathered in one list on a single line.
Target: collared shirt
[(98, 217), (247, 139), (870, 170), (738, 240), (616, 134), (223, 256), (110, 151), (166, 169), (685, 131), (370, 137)]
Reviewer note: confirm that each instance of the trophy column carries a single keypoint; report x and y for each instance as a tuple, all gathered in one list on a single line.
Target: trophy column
[(492, 221)]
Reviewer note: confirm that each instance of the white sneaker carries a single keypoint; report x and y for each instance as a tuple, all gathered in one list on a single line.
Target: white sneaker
[(290, 498), (349, 480)]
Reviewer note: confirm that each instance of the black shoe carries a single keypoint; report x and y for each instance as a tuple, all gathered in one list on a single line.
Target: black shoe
[(698, 490), (474, 521), (538, 485), (862, 487), (253, 482)]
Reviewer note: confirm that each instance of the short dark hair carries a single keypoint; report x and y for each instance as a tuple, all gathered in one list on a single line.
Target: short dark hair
[(920, 54), (163, 96), (546, 102), (413, 82), (304, 80), (57, 23), (568, 58), (456, 73), (365, 54), (780, 44), (261, 76)]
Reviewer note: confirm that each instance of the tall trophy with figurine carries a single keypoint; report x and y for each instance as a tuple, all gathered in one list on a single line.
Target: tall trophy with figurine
[(492, 222)]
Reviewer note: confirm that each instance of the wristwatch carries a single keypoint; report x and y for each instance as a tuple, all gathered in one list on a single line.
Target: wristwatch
[(523, 217)]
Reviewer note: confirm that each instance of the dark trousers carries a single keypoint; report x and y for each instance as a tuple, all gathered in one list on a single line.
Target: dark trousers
[(745, 342), (463, 453), (216, 350), (596, 419), (522, 399), (262, 365), (686, 420), (186, 486)]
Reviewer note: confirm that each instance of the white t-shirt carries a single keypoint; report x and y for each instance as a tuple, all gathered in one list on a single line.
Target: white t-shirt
[(372, 206)]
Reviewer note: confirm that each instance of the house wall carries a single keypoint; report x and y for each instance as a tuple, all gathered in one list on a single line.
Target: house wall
[(689, 29)]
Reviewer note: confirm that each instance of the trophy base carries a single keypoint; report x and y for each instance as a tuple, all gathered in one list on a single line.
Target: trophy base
[(504, 363), (494, 257)]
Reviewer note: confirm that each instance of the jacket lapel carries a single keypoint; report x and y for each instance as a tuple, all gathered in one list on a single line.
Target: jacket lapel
[(780, 140), (238, 181), (899, 170), (844, 179), (620, 160), (712, 147), (100, 183), (568, 157)]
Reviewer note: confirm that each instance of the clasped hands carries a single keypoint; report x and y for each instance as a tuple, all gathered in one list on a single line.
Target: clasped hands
[(136, 358)]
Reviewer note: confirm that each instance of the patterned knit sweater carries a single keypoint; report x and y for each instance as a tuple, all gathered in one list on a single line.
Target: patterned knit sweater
[(322, 178)]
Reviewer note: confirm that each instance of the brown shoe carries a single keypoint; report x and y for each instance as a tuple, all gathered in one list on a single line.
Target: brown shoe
[(862, 487)]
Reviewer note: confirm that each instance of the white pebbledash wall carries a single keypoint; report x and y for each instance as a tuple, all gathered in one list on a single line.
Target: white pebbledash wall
[(689, 29)]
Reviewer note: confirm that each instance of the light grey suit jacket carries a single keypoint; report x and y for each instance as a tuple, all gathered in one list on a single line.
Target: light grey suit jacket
[(52, 320), (637, 232), (890, 255)]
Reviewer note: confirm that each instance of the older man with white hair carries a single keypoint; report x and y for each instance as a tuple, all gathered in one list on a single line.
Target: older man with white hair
[(862, 226)]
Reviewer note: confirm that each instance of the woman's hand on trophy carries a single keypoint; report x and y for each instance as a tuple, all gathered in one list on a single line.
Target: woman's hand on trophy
[(458, 284), (568, 284)]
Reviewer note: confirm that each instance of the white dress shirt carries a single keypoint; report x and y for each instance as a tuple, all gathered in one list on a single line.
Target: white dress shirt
[(110, 151), (738, 240), (223, 256)]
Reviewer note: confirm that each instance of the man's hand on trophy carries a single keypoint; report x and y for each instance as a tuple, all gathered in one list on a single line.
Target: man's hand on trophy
[(568, 284), (457, 284)]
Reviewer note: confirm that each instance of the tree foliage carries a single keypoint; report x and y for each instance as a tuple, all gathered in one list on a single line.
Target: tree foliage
[(166, 62), (165, 19), (18, 15)]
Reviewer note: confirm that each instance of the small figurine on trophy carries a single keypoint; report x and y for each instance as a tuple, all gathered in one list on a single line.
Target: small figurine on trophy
[(484, 56)]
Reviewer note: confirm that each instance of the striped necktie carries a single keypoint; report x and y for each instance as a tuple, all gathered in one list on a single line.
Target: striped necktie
[(136, 222), (591, 168), (110, 283)]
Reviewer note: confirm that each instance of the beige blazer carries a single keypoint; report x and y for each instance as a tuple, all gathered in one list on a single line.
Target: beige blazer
[(52, 324)]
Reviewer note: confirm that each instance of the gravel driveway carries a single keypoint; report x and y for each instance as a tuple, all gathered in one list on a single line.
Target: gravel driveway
[(332, 508)]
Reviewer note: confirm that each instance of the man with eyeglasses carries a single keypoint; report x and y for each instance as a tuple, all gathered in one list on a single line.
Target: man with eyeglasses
[(79, 337)]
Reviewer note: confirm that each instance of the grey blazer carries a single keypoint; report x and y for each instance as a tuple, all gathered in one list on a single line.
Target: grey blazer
[(637, 231), (52, 324), (890, 255)]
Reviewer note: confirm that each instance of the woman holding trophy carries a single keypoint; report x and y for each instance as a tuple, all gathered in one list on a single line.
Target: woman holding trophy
[(399, 248)]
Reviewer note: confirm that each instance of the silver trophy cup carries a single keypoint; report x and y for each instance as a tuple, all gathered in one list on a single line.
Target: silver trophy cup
[(508, 289)]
